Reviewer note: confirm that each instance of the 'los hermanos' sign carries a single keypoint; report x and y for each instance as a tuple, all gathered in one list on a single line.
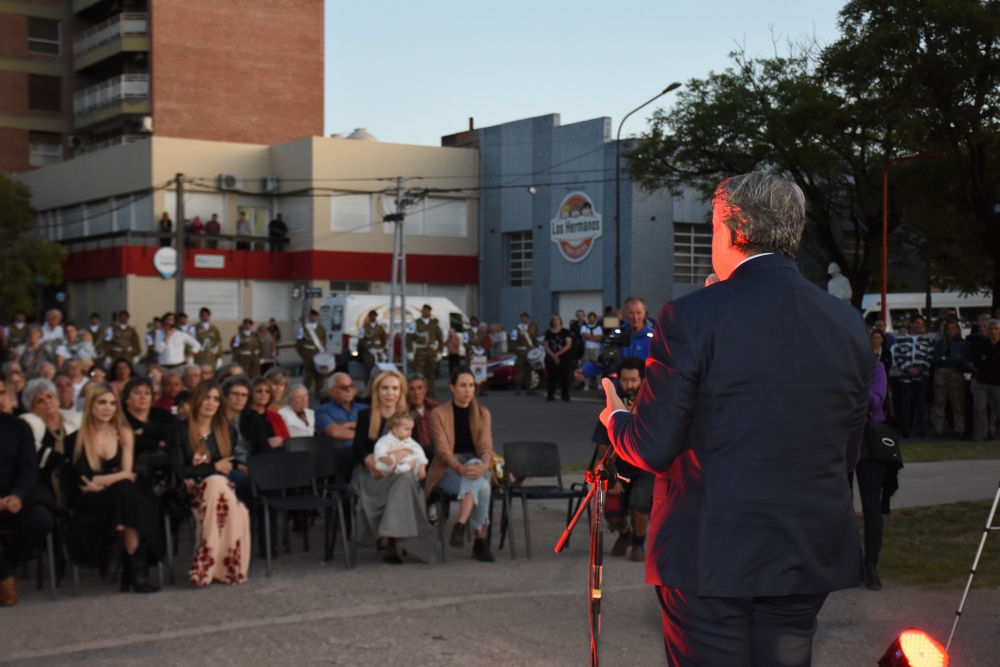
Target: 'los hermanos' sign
[(576, 227)]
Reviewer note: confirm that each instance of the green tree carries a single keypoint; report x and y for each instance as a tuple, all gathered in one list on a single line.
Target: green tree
[(23, 256), (935, 66), (907, 77), (780, 114)]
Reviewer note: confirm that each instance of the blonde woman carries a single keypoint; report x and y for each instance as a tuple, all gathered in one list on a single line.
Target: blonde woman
[(110, 513), (393, 510), (203, 457)]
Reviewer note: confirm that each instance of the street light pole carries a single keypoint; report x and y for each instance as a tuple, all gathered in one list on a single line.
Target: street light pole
[(618, 192), (885, 220)]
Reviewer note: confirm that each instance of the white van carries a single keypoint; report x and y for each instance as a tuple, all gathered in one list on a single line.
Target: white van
[(343, 315), (903, 306)]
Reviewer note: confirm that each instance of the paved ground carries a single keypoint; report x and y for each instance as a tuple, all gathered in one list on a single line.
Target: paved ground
[(514, 612)]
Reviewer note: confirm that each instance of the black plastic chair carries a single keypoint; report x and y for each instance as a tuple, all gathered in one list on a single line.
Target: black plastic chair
[(535, 459), (332, 466), (284, 473)]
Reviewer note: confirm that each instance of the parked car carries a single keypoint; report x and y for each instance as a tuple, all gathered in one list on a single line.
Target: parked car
[(500, 372)]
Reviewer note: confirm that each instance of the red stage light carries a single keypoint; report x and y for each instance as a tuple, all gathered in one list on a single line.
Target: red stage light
[(914, 648)]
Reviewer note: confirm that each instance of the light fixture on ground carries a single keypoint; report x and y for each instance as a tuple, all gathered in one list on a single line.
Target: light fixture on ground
[(914, 648), (618, 191)]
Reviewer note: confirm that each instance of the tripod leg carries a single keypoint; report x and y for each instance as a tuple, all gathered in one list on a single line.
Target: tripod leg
[(975, 563)]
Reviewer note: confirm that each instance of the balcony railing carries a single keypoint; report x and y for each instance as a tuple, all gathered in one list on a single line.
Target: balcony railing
[(108, 143), (117, 89), (127, 24)]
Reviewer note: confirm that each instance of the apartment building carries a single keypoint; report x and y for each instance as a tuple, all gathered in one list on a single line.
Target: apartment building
[(81, 75)]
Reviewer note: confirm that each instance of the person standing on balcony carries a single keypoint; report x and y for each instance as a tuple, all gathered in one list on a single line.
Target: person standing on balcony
[(166, 230), (212, 230), (242, 229)]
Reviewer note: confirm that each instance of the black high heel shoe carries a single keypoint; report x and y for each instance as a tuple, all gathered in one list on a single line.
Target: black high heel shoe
[(136, 576), (112, 569)]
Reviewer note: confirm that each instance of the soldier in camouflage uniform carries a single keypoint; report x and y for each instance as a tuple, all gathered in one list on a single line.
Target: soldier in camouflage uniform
[(307, 348), (208, 336), (97, 332), (524, 341), (371, 342), (246, 349), (121, 341), (424, 339), (17, 332)]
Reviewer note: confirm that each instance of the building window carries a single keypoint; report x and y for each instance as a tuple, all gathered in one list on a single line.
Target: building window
[(692, 253), (44, 149), (44, 92), (43, 36), (520, 254), (346, 287)]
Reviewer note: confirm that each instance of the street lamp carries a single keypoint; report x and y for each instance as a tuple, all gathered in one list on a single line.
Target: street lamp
[(885, 219), (618, 192)]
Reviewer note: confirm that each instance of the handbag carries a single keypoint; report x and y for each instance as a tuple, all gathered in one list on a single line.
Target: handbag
[(883, 443)]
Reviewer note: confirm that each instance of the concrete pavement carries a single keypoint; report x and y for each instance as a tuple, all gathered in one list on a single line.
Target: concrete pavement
[(512, 612)]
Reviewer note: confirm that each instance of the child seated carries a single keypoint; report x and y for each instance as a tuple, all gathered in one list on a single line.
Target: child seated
[(397, 452)]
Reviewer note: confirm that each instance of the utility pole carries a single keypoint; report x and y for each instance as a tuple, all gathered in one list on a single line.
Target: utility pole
[(398, 275), (179, 246)]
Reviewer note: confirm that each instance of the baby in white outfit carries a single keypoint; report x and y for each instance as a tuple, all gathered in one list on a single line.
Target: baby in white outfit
[(397, 452)]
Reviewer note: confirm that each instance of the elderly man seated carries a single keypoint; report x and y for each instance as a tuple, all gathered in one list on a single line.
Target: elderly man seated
[(338, 418)]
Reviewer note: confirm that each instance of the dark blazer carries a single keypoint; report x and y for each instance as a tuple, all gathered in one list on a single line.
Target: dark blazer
[(751, 414)]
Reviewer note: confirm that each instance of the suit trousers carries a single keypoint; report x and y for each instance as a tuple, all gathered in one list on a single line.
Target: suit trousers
[(738, 632)]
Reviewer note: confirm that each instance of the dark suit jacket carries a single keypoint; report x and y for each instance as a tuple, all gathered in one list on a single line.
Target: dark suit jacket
[(751, 414)]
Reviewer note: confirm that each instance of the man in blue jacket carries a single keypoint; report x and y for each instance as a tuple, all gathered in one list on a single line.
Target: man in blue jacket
[(751, 414)]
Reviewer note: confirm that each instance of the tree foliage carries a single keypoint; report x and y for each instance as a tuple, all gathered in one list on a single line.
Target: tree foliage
[(906, 77), (23, 257)]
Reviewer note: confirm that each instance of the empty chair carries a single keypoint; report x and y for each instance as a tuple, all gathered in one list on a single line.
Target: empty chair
[(535, 459), (273, 477)]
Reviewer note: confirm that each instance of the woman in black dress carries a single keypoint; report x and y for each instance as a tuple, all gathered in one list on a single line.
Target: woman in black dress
[(110, 512), (558, 364)]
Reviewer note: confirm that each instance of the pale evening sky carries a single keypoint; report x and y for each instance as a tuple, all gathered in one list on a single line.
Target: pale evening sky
[(411, 72)]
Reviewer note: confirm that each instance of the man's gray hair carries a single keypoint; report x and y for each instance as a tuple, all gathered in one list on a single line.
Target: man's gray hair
[(34, 389), (414, 377), (764, 213), (993, 322), (298, 386)]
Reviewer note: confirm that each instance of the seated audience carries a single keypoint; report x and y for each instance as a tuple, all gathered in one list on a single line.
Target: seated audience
[(392, 509), (463, 451), (20, 506), (202, 452), (277, 432), (110, 513), (338, 417), (297, 415)]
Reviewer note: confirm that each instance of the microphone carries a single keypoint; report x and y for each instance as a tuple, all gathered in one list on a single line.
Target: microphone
[(712, 279)]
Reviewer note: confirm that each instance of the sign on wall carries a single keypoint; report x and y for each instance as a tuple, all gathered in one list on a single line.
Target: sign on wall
[(576, 227), (165, 261)]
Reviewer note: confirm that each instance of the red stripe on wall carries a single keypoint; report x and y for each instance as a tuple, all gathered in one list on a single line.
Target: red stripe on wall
[(104, 263)]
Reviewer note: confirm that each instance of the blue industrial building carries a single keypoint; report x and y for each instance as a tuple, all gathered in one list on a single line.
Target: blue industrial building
[(547, 216)]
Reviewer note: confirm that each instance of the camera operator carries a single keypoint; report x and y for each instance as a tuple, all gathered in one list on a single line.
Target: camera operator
[(629, 340), (634, 498)]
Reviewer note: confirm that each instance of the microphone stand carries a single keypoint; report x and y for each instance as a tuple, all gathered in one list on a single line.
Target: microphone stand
[(600, 478)]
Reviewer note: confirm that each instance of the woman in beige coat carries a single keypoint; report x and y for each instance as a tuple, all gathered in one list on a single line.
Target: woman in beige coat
[(463, 450)]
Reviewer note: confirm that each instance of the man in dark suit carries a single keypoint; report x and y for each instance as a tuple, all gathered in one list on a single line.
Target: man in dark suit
[(751, 414)]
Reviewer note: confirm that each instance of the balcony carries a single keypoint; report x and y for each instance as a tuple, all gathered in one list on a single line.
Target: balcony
[(123, 95), (108, 143), (124, 33)]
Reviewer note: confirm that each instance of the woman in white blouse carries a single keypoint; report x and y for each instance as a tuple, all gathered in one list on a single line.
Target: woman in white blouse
[(299, 418)]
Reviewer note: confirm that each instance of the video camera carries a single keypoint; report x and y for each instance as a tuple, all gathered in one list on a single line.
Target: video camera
[(614, 342)]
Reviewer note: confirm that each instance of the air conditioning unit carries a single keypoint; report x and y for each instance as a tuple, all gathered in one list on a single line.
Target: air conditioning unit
[(230, 182), (74, 141), (270, 184)]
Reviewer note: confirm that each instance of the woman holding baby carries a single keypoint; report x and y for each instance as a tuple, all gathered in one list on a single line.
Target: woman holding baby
[(393, 510)]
